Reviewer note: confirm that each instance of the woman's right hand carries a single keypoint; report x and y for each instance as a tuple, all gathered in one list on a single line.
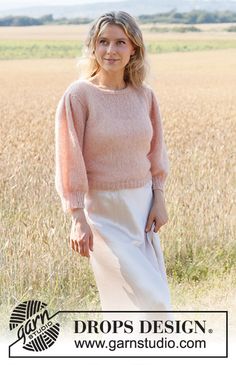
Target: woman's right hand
[(81, 236)]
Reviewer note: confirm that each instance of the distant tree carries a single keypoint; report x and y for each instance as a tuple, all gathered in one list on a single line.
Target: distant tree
[(192, 17), (19, 21), (61, 21), (5, 22), (178, 15), (227, 17), (207, 18), (172, 17), (47, 18)]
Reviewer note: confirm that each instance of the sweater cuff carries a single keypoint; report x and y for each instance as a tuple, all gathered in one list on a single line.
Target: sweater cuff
[(157, 183), (73, 201)]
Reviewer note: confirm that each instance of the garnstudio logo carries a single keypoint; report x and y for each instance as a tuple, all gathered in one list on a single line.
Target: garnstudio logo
[(34, 325)]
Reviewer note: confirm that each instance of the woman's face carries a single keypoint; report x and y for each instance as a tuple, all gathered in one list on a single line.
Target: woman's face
[(113, 48)]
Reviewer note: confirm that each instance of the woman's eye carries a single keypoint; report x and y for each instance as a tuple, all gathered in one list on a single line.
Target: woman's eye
[(104, 41)]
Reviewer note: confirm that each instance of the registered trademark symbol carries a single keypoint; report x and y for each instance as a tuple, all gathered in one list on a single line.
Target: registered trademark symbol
[(210, 330)]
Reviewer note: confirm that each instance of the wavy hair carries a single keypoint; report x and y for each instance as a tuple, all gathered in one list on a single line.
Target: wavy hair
[(137, 68)]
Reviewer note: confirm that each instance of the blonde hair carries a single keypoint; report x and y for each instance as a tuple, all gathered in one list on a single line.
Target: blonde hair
[(137, 68)]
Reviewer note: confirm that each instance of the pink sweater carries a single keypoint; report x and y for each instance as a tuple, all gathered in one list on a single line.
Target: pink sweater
[(107, 140)]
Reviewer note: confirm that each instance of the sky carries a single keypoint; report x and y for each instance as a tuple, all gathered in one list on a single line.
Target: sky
[(13, 4)]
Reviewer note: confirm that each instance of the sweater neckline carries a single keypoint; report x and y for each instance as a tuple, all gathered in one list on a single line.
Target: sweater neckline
[(108, 91)]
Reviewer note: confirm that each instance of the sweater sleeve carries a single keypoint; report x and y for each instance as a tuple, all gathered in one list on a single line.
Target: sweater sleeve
[(70, 172), (158, 152)]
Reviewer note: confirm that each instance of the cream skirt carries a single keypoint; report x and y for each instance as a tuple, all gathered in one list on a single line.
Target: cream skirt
[(127, 262)]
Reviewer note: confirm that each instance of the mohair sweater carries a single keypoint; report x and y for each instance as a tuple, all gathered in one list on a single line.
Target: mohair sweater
[(107, 140)]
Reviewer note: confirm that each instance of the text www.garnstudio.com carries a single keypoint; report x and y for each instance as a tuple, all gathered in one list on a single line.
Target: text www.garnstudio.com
[(146, 343), (155, 327)]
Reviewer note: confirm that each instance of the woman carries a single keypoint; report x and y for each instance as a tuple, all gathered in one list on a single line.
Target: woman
[(111, 167)]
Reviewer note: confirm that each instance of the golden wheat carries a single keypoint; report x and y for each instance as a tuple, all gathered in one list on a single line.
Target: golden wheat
[(197, 94)]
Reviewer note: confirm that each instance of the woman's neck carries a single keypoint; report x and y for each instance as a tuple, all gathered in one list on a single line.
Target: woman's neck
[(106, 82)]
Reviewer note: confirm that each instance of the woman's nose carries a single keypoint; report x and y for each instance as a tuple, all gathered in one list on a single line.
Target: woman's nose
[(111, 48)]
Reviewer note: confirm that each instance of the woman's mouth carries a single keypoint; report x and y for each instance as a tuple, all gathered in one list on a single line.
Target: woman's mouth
[(110, 60)]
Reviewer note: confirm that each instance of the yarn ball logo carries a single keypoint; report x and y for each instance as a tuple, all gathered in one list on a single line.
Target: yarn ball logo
[(34, 325)]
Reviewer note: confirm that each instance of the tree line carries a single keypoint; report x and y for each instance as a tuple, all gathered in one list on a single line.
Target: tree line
[(192, 17)]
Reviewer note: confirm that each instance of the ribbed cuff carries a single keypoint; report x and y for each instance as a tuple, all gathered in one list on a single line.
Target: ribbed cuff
[(73, 201), (157, 183)]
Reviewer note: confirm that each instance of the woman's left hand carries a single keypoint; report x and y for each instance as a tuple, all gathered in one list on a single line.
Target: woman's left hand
[(158, 213)]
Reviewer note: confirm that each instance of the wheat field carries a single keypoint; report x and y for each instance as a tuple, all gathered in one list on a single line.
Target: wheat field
[(197, 94)]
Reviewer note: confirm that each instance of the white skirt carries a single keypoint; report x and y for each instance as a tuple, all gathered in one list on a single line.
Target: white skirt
[(127, 262)]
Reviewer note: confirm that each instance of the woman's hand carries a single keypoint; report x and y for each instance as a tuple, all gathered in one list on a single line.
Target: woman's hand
[(158, 213), (81, 237)]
